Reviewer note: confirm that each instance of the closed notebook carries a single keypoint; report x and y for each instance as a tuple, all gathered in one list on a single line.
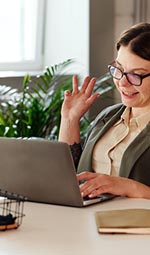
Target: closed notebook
[(132, 221)]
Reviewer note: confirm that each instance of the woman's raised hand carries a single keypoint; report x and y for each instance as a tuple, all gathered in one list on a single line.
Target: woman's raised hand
[(75, 105), (77, 102)]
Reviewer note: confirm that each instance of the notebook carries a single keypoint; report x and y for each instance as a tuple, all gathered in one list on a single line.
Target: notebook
[(41, 170), (124, 221)]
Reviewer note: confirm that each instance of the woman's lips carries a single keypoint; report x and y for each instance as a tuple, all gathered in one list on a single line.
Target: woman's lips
[(129, 94)]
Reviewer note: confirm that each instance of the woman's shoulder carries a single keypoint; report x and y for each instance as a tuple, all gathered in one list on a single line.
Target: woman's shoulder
[(109, 111), (106, 114)]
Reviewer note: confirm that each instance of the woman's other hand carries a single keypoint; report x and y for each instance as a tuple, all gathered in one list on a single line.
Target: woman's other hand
[(96, 184)]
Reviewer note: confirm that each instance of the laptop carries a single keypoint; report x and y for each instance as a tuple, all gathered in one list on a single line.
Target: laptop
[(41, 170)]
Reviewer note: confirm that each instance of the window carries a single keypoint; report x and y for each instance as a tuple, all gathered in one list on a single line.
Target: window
[(21, 26)]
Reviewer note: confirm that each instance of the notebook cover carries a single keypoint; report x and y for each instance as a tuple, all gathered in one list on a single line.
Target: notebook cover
[(123, 221)]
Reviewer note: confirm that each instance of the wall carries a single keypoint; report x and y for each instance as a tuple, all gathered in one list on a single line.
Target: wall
[(101, 35), (67, 31), (101, 30), (80, 29), (87, 29)]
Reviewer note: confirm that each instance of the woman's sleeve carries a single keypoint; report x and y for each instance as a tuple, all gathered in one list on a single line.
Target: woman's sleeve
[(76, 151)]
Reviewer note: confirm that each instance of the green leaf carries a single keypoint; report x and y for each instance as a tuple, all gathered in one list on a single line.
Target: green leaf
[(26, 80), (36, 109)]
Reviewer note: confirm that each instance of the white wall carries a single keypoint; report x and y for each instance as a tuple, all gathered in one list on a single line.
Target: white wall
[(67, 31), (87, 30)]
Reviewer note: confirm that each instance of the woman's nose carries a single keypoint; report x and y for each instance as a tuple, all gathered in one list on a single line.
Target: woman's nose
[(124, 82)]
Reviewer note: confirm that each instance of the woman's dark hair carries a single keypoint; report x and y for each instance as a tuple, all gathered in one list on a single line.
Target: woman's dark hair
[(138, 39)]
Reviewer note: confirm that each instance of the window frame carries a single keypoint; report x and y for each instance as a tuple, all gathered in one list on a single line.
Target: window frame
[(37, 63)]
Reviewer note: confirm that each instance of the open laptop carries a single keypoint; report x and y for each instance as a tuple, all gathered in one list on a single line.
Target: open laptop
[(41, 170)]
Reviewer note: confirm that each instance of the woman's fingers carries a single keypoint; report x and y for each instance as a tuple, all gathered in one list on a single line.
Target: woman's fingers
[(96, 184), (88, 186), (90, 86), (75, 85), (87, 86), (86, 176), (67, 93), (77, 102), (92, 98), (85, 83)]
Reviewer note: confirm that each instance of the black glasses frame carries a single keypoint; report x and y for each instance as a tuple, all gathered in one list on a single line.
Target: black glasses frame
[(141, 77)]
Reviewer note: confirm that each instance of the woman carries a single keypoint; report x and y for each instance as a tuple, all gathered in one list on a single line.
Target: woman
[(116, 154)]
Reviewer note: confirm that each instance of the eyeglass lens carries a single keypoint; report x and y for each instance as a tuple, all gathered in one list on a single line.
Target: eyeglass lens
[(133, 79)]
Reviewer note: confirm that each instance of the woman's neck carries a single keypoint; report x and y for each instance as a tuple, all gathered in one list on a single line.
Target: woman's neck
[(136, 112)]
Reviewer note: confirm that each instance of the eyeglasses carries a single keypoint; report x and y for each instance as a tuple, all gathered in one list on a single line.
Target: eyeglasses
[(132, 78)]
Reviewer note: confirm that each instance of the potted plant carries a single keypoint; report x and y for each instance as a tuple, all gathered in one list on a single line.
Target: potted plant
[(35, 111)]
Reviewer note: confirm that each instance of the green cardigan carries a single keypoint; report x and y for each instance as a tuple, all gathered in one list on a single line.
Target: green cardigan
[(135, 163)]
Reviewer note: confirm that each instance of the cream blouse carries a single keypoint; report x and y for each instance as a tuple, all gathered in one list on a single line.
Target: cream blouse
[(108, 151)]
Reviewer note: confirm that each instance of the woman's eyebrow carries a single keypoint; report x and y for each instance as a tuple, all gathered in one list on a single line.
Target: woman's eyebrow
[(134, 69)]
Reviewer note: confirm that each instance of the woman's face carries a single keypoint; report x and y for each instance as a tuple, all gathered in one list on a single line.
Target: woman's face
[(137, 97)]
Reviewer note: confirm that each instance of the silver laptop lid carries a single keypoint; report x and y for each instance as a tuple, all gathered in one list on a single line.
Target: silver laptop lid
[(40, 169)]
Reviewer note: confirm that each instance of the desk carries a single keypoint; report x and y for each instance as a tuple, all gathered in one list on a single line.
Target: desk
[(61, 230)]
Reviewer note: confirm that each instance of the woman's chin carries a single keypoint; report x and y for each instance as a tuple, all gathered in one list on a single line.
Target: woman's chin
[(130, 102)]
